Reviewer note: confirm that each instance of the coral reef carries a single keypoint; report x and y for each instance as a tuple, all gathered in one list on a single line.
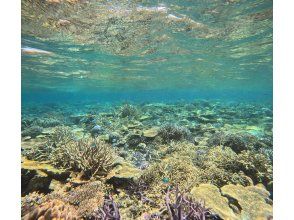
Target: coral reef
[(210, 149), (170, 132), (253, 201), (185, 208), (109, 211), (235, 201), (86, 198), (213, 198), (47, 122), (91, 156), (128, 110), (60, 136), (32, 131), (29, 201), (171, 171), (37, 176), (257, 166), (54, 209)]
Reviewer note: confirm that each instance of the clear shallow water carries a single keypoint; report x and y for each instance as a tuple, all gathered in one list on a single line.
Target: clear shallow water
[(144, 51), (124, 102)]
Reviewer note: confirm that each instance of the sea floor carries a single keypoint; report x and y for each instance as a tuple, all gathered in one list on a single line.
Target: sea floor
[(184, 160)]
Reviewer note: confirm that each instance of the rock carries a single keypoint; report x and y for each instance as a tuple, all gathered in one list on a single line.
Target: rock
[(122, 175), (39, 182), (151, 133), (214, 200), (37, 176), (253, 200)]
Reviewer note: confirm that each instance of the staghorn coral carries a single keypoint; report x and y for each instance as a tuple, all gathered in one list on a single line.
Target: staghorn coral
[(61, 135), (109, 211), (184, 208), (91, 156), (170, 132), (54, 209)]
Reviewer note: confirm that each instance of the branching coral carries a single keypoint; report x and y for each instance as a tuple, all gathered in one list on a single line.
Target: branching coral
[(221, 165), (60, 136), (257, 166), (170, 132), (236, 141), (47, 122), (91, 156), (184, 208), (109, 211), (128, 111), (173, 171)]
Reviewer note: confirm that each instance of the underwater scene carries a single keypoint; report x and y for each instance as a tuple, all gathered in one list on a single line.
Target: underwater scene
[(143, 109)]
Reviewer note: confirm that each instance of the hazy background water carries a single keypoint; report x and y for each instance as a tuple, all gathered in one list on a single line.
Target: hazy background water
[(147, 50)]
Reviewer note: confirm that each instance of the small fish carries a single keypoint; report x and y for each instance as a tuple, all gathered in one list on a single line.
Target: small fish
[(165, 180), (34, 51)]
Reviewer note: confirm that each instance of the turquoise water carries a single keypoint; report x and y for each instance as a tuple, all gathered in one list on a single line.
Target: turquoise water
[(170, 50), (126, 103)]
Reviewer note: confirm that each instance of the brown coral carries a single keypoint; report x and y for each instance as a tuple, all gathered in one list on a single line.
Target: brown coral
[(91, 156), (173, 170), (60, 136), (86, 198), (54, 209)]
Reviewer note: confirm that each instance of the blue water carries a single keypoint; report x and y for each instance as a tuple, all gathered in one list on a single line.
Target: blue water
[(144, 97), (148, 51)]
